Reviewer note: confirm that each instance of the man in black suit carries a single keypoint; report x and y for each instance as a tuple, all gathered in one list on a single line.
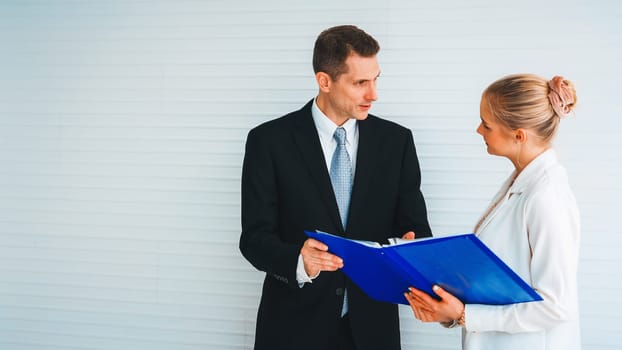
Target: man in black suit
[(307, 302)]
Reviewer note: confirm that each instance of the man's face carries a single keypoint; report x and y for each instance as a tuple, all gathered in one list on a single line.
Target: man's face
[(352, 93)]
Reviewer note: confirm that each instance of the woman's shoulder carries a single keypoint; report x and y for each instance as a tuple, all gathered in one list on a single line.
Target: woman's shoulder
[(551, 190)]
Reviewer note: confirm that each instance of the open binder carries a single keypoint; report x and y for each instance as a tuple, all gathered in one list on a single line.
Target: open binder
[(462, 264)]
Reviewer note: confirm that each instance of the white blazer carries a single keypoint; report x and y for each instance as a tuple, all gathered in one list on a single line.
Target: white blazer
[(535, 230)]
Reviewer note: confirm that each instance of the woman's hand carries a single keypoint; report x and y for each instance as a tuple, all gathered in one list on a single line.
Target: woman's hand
[(428, 309)]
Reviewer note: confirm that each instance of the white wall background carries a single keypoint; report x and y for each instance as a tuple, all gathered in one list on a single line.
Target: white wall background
[(122, 127)]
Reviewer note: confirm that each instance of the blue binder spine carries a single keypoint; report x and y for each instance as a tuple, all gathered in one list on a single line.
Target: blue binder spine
[(413, 277)]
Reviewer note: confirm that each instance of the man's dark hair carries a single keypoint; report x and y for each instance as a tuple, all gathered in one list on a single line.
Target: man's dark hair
[(334, 45)]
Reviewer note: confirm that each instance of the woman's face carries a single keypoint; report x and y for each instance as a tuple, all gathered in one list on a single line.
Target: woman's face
[(500, 139)]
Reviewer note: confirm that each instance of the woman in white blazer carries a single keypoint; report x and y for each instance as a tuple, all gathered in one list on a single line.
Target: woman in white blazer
[(532, 224)]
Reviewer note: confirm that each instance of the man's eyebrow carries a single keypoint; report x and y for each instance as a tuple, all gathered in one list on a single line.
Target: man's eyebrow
[(364, 79)]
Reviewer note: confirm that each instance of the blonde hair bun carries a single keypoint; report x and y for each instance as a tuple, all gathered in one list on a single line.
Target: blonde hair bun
[(562, 96), (532, 102)]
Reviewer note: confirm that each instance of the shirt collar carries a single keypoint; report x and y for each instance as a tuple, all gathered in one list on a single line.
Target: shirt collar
[(326, 127)]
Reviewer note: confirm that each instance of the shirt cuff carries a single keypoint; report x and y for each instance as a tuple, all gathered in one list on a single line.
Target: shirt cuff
[(301, 274)]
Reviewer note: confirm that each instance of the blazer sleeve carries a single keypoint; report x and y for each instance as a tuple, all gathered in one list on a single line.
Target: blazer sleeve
[(411, 213), (260, 242)]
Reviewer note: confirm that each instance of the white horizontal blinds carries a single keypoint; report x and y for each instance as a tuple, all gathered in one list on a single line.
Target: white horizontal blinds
[(446, 64), (120, 191), (122, 129), (443, 64)]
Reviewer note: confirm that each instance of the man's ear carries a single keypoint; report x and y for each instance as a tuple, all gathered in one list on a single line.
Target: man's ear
[(323, 81)]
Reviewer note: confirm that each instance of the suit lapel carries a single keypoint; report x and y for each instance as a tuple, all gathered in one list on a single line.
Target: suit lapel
[(366, 159), (308, 143)]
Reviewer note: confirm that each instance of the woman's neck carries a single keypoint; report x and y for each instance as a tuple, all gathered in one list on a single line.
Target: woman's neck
[(526, 155)]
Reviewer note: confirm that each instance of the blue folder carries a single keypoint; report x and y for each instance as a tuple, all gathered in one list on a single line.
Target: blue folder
[(462, 264)]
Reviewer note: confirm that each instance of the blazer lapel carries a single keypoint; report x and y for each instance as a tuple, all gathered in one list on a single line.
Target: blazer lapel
[(366, 159), (308, 142)]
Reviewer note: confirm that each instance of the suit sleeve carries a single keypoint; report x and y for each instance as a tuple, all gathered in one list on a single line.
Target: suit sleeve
[(411, 213), (260, 242)]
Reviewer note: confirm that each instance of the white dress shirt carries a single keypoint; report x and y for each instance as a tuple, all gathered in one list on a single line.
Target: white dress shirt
[(326, 129), (535, 229)]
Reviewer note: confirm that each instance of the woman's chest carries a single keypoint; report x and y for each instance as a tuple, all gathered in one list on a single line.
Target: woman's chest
[(505, 232)]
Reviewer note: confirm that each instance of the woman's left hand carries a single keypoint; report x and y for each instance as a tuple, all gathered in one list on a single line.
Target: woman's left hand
[(428, 309)]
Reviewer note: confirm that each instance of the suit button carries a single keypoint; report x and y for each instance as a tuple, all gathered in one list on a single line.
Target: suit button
[(339, 291)]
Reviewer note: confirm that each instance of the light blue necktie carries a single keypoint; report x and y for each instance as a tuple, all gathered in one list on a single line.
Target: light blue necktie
[(341, 178), (341, 175)]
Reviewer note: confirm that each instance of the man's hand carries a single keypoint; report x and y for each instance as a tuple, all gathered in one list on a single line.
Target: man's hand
[(316, 258), (409, 235)]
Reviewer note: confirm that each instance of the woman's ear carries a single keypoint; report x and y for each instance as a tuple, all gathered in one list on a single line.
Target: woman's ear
[(520, 136), (323, 81)]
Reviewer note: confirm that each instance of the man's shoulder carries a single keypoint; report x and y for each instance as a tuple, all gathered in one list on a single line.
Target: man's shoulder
[(386, 125), (285, 121)]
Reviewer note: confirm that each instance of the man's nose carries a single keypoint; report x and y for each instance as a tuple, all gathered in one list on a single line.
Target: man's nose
[(371, 94)]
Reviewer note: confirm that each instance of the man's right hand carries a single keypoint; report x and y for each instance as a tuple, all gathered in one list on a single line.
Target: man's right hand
[(316, 258)]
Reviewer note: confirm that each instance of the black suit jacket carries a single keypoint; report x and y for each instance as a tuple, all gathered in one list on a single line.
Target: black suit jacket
[(286, 189)]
